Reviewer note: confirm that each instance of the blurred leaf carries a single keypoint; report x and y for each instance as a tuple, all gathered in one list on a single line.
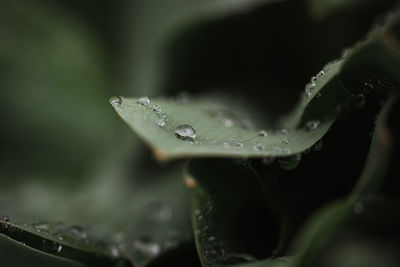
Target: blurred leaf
[(13, 253), (72, 243)]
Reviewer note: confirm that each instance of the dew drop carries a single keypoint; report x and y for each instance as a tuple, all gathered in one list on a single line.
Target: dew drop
[(368, 87), (145, 101), (263, 133), (318, 146), (5, 218), (163, 116), (228, 122), (359, 101), (59, 248), (185, 132), (313, 79), (285, 141), (115, 101), (290, 163), (160, 122), (320, 74), (258, 147), (312, 125), (156, 108)]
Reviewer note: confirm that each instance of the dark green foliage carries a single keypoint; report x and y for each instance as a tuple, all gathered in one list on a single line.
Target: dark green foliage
[(247, 177)]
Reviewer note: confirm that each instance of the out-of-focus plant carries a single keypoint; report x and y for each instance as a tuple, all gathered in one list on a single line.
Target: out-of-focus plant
[(248, 177)]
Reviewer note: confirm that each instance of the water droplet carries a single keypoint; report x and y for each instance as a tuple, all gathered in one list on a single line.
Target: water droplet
[(163, 116), (185, 132), (312, 125), (160, 122), (359, 101), (313, 79), (268, 160), (263, 133), (5, 218), (368, 87), (317, 146), (145, 101), (285, 141), (146, 246), (115, 101), (320, 74), (278, 149), (290, 163), (258, 147), (228, 122), (59, 248), (156, 108), (358, 208)]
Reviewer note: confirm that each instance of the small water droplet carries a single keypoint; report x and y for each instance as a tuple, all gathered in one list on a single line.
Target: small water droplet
[(290, 163), (156, 108), (277, 149), (312, 125), (263, 133), (146, 246), (185, 132), (313, 79), (285, 141), (368, 87), (163, 116), (358, 208), (268, 160), (317, 146), (59, 248), (359, 101), (145, 101), (320, 74), (258, 147), (115, 101), (160, 122), (5, 218)]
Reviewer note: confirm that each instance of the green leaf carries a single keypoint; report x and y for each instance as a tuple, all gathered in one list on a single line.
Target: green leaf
[(72, 243), (230, 217), (224, 132), (13, 253)]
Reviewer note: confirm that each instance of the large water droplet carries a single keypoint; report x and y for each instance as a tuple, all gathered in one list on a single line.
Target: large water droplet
[(312, 125), (290, 163), (115, 101), (185, 132), (146, 246), (145, 101)]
